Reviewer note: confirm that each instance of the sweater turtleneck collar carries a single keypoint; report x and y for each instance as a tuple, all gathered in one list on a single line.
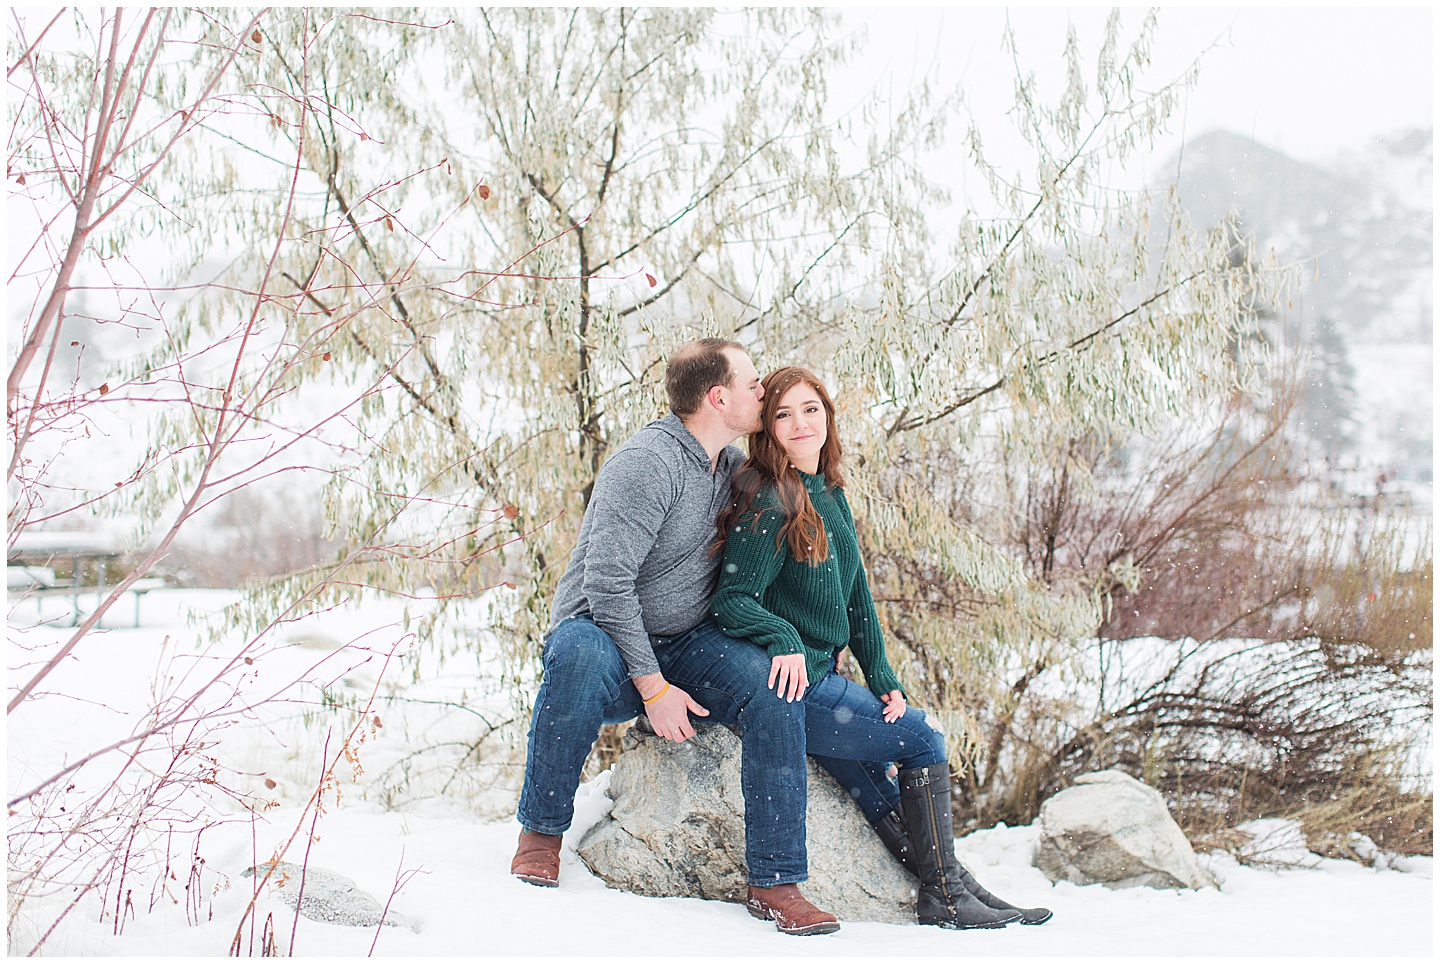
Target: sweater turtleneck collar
[(813, 483)]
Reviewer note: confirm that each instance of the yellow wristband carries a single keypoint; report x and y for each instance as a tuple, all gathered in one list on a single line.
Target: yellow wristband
[(657, 695)]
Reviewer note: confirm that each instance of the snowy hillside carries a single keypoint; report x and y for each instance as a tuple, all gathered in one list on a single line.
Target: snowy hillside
[(1360, 228)]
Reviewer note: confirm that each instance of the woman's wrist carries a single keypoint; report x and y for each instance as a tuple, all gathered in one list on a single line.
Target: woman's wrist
[(786, 647)]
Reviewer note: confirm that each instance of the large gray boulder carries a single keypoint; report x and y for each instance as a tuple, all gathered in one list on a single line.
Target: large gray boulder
[(1112, 829), (677, 829)]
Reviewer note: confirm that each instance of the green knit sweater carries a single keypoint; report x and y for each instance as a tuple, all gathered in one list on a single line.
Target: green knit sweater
[(771, 598)]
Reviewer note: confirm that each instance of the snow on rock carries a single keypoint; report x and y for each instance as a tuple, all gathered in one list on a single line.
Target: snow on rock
[(1112, 829), (1417, 864), (1275, 843), (1369, 853), (592, 805)]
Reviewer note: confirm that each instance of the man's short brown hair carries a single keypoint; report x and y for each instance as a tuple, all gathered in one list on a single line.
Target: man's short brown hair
[(693, 369)]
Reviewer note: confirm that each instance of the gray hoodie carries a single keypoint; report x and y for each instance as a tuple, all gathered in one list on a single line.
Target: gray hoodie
[(642, 568)]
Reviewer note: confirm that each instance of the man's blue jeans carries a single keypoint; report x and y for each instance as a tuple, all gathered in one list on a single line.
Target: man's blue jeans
[(586, 684), (847, 735)]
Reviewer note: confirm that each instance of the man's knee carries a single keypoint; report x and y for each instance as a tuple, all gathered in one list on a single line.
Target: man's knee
[(581, 654), (767, 712), (745, 666)]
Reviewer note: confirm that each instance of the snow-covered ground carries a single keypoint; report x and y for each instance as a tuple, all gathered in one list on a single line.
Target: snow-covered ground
[(462, 899), (466, 904)]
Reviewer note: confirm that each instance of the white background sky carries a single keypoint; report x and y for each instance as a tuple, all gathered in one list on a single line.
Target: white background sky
[(1308, 81)]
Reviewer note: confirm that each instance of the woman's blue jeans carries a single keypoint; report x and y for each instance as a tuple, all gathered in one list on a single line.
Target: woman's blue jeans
[(847, 735), (586, 684)]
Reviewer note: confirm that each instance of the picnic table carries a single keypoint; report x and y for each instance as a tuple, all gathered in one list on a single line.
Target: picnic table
[(30, 569)]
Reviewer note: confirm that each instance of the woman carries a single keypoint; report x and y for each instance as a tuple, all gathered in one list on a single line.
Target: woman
[(792, 581)]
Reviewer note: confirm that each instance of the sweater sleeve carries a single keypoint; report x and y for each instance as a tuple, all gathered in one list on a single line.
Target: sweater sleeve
[(628, 506), (866, 639), (752, 562)]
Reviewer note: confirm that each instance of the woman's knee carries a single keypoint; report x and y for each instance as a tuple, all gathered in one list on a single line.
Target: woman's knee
[(926, 738)]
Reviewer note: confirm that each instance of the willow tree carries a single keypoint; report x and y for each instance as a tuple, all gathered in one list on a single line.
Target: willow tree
[(1061, 311), (449, 308), (631, 179), (473, 237), (126, 131)]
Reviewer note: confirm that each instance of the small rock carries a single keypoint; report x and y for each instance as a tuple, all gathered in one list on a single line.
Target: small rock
[(312, 640), (1112, 829), (1367, 851), (1279, 844), (329, 897)]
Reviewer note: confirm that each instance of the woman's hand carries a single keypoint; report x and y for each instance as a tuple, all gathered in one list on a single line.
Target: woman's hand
[(787, 676), (894, 706)]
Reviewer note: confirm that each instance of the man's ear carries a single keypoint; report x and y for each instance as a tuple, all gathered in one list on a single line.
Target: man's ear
[(714, 398)]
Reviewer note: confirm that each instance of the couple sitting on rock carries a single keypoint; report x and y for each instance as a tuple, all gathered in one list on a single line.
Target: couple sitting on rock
[(640, 625)]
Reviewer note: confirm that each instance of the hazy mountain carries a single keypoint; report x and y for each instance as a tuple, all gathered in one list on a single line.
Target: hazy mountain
[(1361, 227)]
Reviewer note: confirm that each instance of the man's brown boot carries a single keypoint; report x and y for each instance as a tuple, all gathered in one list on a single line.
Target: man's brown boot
[(791, 912), (537, 858)]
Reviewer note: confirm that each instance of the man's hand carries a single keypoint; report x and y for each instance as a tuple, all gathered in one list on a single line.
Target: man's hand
[(669, 715), (788, 677), (894, 706)]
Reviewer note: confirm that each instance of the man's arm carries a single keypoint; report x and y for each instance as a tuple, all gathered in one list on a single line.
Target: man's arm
[(628, 505), (633, 493)]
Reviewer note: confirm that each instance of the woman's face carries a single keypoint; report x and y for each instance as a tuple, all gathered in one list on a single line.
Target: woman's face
[(800, 426)]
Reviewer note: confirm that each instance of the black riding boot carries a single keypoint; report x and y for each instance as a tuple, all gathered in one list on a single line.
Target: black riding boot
[(892, 833), (944, 900)]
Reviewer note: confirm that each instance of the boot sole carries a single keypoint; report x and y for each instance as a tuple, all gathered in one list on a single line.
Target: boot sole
[(829, 927), (951, 925), (986, 897), (537, 881)]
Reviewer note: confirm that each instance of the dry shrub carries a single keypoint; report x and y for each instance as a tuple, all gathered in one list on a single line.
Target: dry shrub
[(1264, 649), (1367, 801), (1402, 822), (1286, 729), (606, 749), (1377, 598)]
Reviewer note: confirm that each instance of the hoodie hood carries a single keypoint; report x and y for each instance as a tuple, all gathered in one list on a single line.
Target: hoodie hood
[(690, 445), (671, 425)]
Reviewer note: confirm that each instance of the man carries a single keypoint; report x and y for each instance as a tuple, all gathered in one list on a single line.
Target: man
[(630, 633)]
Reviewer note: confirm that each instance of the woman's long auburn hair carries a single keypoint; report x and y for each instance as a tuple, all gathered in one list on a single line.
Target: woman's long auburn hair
[(803, 528)]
